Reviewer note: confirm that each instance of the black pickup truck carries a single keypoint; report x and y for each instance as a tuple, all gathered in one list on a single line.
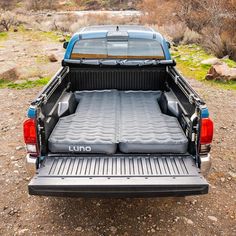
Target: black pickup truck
[(118, 120)]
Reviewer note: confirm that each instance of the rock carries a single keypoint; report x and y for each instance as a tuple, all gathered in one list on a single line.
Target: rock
[(52, 58), (188, 221), (15, 30), (11, 74), (33, 79), (232, 174), (183, 59), (211, 61), (20, 81), (130, 4), (222, 180), (225, 57), (113, 229), (79, 229), (22, 232), (223, 127), (62, 214), (194, 202), (213, 218), (62, 40), (20, 148), (221, 72)]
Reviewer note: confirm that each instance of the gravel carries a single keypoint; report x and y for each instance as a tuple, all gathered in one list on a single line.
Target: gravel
[(212, 214)]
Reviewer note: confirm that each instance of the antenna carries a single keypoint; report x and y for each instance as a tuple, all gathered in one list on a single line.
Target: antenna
[(117, 28)]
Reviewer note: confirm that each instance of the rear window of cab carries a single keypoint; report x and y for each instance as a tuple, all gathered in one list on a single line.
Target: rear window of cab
[(101, 48)]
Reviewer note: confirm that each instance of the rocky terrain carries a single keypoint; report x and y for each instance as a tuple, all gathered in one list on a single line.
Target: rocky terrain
[(212, 214)]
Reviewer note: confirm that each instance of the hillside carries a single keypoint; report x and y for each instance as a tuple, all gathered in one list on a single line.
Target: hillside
[(70, 4)]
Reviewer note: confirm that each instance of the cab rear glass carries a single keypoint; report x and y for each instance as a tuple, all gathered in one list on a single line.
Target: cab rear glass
[(121, 49)]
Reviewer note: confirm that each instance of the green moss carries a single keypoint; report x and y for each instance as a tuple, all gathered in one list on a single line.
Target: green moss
[(3, 83), (189, 58), (67, 38), (40, 35), (29, 84), (229, 62), (50, 35), (3, 36), (42, 59)]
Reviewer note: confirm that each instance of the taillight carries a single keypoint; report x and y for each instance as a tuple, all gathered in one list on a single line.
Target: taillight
[(207, 129), (30, 136)]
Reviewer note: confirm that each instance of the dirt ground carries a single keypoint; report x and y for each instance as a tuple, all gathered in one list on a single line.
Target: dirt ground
[(28, 52), (21, 214), (212, 214)]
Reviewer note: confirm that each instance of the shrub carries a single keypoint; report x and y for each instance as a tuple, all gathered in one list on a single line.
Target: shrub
[(217, 44), (89, 4), (157, 11), (191, 37), (37, 5), (7, 4), (175, 32), (7, 19)]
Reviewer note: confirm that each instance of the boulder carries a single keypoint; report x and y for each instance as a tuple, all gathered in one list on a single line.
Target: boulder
[(20, 81), (221, 72), (11, 74), (52, 58), (211, 61), (62, 40), (33, 79)]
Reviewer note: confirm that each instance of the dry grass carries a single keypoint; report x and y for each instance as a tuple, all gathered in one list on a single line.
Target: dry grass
[(70, 23), (210, 23)]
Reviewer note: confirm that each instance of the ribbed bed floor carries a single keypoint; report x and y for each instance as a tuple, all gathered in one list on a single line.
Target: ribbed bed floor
[(105, 120)]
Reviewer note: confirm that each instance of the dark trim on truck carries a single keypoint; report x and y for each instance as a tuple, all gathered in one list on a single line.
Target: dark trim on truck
[(67, 188)]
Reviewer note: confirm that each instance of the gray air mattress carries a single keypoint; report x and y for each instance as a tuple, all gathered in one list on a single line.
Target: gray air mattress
[(92, 128), (105, 119), (145, 129)]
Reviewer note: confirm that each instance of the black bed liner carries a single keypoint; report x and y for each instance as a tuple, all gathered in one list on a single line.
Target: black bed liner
[(118, 176)]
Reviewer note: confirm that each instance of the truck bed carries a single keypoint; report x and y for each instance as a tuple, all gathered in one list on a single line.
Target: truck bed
[(110, 120)]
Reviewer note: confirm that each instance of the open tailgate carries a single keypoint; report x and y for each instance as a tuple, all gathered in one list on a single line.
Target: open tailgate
[(118, 176)]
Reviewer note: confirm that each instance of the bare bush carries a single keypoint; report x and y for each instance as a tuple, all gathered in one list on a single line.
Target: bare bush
[(7, 19), (174, 31), (64, 23), (90, 4), (157, 11), (37, 5), (218, 44), (209, 22), (191, 37), (73, 23), (7, 4)]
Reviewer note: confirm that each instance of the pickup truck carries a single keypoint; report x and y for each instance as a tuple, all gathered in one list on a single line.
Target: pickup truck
[(118, 120)]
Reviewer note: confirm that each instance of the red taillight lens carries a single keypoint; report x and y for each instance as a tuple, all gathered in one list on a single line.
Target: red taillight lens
[(30, 136), (206, 131)]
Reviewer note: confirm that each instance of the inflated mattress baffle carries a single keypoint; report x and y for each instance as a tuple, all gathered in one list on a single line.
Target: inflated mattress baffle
[(105, 119)]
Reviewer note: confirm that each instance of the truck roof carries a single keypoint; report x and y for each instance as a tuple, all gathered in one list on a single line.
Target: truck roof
[(118, 32), (107, 28)]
